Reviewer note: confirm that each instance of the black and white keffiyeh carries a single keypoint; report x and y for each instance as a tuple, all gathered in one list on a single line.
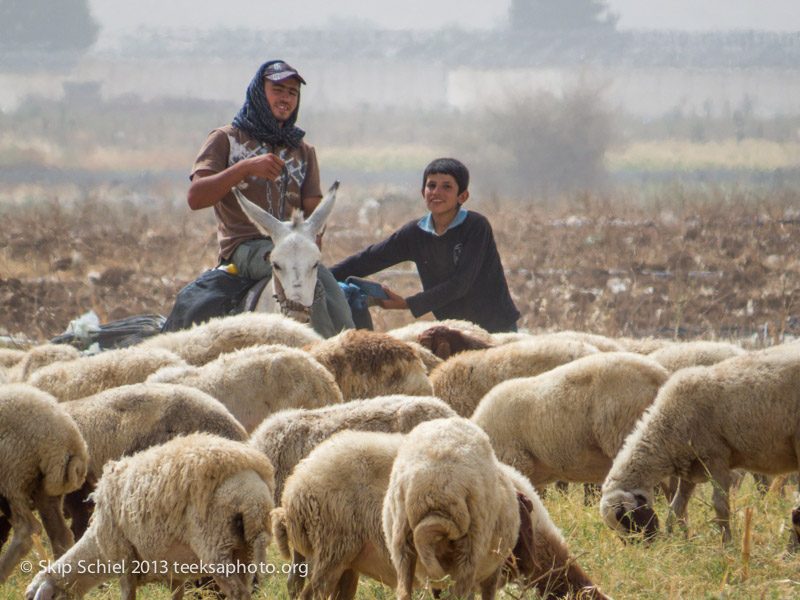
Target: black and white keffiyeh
[(256, 119)]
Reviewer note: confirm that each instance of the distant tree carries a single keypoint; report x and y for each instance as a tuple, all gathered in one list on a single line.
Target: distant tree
[(557, 15), (46, 25)]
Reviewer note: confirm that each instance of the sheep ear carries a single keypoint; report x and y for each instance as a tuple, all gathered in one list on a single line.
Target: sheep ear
[(264, 221), (316, 222)]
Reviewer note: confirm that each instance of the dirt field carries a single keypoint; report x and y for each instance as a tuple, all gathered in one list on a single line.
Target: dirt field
[(689, 265)]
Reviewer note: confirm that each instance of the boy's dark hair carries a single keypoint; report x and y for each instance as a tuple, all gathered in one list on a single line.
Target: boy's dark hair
[(448, 166)]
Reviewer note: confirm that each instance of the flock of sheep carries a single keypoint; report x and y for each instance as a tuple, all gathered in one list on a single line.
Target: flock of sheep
[(412, 457)]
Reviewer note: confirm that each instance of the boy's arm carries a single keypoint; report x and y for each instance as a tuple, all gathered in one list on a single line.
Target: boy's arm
[(375, 258)]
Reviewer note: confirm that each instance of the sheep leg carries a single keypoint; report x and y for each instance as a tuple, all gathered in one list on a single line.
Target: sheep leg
[(406, 566), (721, 482), (296, 579), (678, 506), (25, 525), (176, 589), (591, 493), (325, 574), (52, 514), (347, 586), (127, 586), (489, 586)]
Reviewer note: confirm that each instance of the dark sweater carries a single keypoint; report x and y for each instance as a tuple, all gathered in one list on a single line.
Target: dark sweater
[(461, 273)]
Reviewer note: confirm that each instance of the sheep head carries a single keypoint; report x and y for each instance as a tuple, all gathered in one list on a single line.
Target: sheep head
[(630, 512), (445, 341)]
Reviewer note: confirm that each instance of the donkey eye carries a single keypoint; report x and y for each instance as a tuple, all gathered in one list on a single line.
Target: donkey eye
[(276, 267)]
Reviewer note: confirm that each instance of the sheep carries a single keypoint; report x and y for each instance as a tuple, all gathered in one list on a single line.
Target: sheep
[(82, 377), (288, 436), (412, 331), (368, 364), (444, 342), (567, 424), (508, 337), (195, 500), (646, 345), (42, 457), (10, 357), (429, 359), (601, 342), (127, 419), (696, 353), (257, 381), (331, 511), (739, 413), (204, 342), (462, 380), (41, 356), (450, 509)]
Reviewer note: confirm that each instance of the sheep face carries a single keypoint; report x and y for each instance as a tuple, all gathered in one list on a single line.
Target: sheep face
[(44, 588), (794, 539), (630, 513)]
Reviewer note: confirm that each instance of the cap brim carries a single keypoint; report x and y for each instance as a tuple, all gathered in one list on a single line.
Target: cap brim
[(285, 75)]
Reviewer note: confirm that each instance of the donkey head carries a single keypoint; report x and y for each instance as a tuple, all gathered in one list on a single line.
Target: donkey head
[(296, 256)]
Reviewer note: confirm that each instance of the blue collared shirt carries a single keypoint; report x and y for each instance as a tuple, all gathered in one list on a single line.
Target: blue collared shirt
[(426, 222)]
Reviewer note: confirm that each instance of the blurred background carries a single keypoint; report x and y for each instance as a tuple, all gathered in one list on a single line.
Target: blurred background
[(539, 97), (639, 160)]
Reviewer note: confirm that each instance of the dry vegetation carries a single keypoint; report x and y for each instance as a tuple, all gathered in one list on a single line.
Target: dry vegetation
[(704, 264), (672, 261)]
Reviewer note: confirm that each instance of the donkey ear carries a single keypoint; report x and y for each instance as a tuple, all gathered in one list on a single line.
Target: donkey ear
[(316, 222), (264, 221)]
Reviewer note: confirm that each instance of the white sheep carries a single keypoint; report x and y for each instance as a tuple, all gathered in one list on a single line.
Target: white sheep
[(601, 342), (288, 436), (448, 511), (127, 419), (82, 377), (509, 337), (451, 510), (412, 331), (260, 380), (429, 359), (568, 424), (42, 457), (331, 511), (41, 356), (204, 342), (10, 356), (367, 364), (743, 412), (195, 500), (680, 355), (645, 345), (463, 379)]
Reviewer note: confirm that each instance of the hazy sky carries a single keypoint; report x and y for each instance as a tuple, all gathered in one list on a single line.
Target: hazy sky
[(690, 15)]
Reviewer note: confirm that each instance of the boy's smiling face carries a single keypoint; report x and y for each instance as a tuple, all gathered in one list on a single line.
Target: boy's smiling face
[(442, 197)]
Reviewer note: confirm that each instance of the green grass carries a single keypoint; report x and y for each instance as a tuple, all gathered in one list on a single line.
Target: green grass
[(689, 565)]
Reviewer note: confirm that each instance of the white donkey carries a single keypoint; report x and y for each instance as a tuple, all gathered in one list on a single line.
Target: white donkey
[(295, 258)]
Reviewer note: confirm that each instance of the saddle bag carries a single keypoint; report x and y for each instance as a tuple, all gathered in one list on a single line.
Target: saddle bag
[(215, 293)]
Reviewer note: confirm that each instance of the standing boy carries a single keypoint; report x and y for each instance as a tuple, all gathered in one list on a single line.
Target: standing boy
[(263, 152), (455, 253)]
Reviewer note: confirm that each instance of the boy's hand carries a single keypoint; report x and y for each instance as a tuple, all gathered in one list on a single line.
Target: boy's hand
[(394, 301)]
